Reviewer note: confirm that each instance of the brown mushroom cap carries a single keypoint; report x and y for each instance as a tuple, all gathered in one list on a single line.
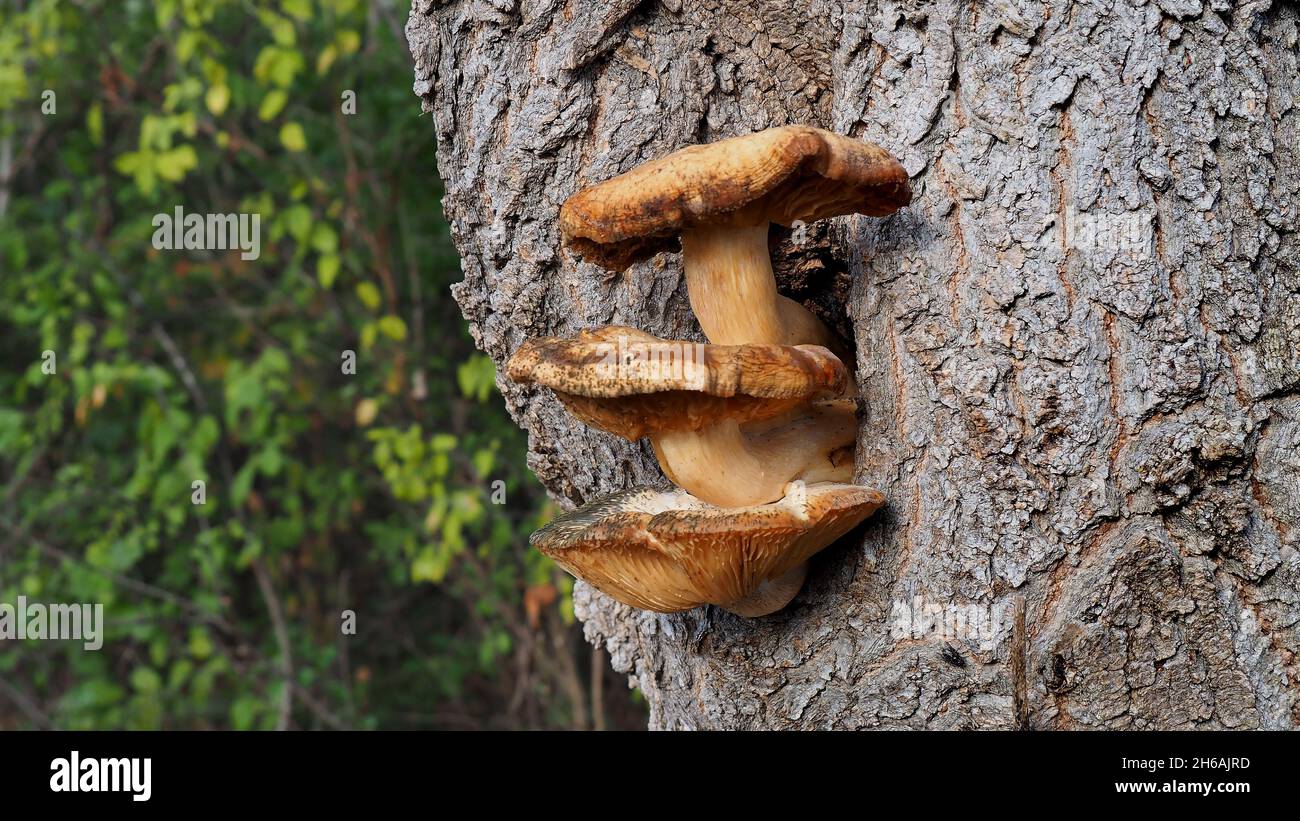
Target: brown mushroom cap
[(780, 175), (666, 551), (634, 384)]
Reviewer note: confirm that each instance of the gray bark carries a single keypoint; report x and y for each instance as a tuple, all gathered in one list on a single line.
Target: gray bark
[(1079, 347)]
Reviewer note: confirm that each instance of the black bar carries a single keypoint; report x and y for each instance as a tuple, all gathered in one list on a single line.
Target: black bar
[(439, 771)]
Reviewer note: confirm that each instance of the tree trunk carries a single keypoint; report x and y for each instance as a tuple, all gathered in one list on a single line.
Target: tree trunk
[(1079, 347)]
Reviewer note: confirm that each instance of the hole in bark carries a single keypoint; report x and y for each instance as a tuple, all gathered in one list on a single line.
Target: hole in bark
[(811, 270), (1059, 674)]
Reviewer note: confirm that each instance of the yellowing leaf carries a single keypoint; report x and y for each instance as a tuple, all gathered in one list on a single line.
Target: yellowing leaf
[(369, 295), (129, 162), (392, 327), (187, 42), (217, 98), (349, 41), (365, 412), (326, 59), (293, 137), (327, 270), (278, 65), (427, 568)]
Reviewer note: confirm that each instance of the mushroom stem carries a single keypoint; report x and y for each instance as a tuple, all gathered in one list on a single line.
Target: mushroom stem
[(731, 286), (803, 328), (733, 291), (728, 465), (771, 595)]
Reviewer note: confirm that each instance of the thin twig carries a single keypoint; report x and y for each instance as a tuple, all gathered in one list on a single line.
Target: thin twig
[(281, 639), (129, 583), (568, 674), (182, 367), (26, 705), (320, 710), (345, 659)]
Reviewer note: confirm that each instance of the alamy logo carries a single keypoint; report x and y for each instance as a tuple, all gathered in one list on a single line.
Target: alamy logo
[(920, 618), (634, 359), (129, 775), (36, 621), (1131, 233), (208, 232)]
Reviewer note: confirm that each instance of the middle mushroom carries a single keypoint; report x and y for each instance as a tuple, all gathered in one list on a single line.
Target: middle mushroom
[(731, 424)]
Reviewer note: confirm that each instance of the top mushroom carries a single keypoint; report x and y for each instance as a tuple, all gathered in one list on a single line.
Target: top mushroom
[(719, 200)]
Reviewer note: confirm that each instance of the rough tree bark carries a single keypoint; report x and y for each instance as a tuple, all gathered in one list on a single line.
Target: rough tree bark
[(1079, 347)]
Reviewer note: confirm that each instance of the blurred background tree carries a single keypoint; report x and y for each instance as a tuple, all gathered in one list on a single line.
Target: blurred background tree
[(398, 492)]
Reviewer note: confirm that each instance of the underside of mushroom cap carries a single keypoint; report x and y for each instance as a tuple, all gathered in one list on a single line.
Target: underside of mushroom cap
[(666, 551), (633, 384), (780, 175), (607, 544)]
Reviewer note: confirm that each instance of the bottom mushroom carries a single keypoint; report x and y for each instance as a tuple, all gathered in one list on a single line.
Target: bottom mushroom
[(665, 550)]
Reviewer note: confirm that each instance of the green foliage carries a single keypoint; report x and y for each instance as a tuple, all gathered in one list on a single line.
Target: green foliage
[(325, 491)]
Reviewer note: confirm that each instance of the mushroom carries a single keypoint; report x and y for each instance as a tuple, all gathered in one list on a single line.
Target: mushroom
[(720, 199), (731, 424), (665, 550)]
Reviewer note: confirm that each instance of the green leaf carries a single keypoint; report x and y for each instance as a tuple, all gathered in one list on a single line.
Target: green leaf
[(392, 327), (145, 680), (243, 483), (244, 712), (293, 137), (300, 9), (323, 238), (129, 162), (272, 104), (297, 219), (282, 30), (200, 643), (476, 377), (173, 165), (95, 124), (277, 65), (270, 461), (483, 459)]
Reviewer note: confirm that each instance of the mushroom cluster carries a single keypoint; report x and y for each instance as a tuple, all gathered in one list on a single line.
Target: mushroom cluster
[(756, 428)]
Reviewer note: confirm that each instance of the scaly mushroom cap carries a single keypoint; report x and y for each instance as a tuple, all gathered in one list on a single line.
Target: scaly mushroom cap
[(634, 384), (780, 175), (665, 550)]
